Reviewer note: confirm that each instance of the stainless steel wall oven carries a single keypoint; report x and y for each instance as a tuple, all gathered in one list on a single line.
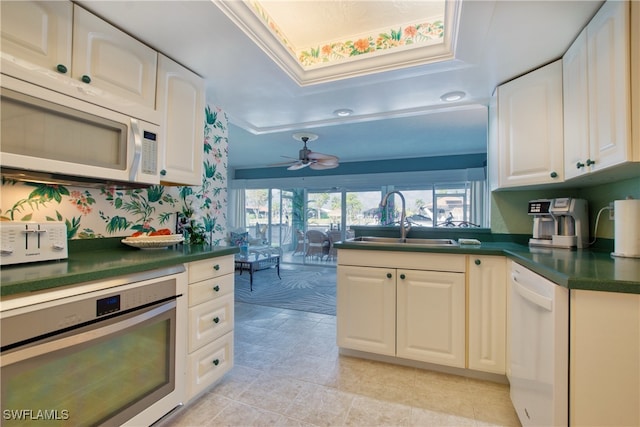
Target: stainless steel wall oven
[(107, 354)]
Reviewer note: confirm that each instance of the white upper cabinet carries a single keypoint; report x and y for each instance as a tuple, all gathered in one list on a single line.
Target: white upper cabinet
[(36, 39), (181, 101), (530, 129), (597, 93), (111, 60), (60, 46)]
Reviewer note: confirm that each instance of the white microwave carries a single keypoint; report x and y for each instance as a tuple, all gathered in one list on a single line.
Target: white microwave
[(51, 137)]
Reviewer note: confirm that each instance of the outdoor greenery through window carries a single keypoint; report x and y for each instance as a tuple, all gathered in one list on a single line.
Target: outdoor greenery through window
[(282, 217)]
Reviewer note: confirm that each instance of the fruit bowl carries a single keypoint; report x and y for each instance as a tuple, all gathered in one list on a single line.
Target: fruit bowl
[(153, 242)]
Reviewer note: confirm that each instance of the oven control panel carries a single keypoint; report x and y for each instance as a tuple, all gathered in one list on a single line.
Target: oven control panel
[(24, 242)]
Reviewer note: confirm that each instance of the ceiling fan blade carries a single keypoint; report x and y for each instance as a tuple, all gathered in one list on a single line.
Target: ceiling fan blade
[(328, 161), (290, 162), (319, 156), (298, 165), (322, 166)]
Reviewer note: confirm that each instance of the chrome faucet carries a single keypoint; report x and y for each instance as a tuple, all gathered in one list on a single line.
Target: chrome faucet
[(404, 227)]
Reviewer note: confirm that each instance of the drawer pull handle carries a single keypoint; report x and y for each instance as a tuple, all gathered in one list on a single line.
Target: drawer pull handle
[(216, 288), (163, 172), (86, 79), (216, 362), (579, 165), (216, 267), (478, 262), (389, 275), (61, 69), (590, 162), (216, 319), (402, 276), (553, 174)]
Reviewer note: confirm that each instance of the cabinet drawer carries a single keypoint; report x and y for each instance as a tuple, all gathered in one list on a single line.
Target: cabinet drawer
[(209, 364), (208, 268), (412, 260), (209, 321), (210, 289)]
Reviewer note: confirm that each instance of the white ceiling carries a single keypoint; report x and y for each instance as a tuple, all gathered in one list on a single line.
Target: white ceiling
[(397, 113)]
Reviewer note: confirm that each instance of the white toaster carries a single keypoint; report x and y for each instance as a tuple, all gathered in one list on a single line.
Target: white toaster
[(22, 242)]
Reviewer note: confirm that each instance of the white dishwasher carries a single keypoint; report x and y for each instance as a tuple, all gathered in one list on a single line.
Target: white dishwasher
[(539, 349)]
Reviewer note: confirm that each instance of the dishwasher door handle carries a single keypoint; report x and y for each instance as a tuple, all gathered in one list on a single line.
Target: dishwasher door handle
[(531, 296)]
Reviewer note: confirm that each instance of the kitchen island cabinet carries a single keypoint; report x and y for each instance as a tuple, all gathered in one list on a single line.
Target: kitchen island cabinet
[(597, 83), (211, 322), (403, 305), (181, 101)]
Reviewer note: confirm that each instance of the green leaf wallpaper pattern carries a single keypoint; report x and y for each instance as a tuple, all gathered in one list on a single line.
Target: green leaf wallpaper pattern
[(106, 212)]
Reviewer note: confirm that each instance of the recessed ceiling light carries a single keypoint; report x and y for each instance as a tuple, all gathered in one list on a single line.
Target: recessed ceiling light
[(343, 112), (453, 96)]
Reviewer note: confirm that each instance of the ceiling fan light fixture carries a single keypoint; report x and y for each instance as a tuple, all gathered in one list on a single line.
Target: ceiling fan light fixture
[(343, 112), (453, 96), (305, 137)]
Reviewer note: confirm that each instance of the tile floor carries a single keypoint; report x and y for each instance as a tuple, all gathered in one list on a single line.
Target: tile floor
[(288, 373)]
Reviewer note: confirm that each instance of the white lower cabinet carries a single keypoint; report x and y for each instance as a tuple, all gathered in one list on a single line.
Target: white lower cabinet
[(487, 313), (431, 317), (604, 359), (211, 322), (415, 312)]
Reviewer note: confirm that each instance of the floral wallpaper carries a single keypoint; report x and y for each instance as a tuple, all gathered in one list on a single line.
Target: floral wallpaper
[(418, 33), (107, 212)]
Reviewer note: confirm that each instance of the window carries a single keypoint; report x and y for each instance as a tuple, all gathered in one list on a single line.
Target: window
[(280, 216)]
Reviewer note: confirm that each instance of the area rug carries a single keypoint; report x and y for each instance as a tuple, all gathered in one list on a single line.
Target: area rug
[(301, 288)]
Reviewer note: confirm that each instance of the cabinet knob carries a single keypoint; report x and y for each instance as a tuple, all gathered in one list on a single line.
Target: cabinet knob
[(216, 267), (579, 165), (216, 288), (61, 69), (389, 275), (402, 276), (163, 172), (553, 174), (590, 162), (86, 79), (216, 362), (478, 262), (216, 319)]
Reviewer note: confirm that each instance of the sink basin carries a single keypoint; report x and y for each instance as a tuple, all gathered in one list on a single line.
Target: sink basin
[(408, 241)]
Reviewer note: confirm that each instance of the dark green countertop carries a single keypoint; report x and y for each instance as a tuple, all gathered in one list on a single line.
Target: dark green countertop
[(574, 269), (99, 260)]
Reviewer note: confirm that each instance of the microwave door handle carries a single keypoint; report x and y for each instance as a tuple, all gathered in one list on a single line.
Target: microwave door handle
[(137, 152)]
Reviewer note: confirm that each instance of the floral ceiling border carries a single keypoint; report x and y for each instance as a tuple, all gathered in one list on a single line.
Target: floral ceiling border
[(422, 33)]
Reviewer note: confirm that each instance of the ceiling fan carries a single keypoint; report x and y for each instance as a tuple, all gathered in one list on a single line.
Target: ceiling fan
[(309, 158)]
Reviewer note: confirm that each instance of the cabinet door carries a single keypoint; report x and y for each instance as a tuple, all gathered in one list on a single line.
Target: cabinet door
[(609, 87), (181, 102), (366, 309), (431, 317), (112, 61), (530, 131), (576, 108), (487, 313), (36, 39)]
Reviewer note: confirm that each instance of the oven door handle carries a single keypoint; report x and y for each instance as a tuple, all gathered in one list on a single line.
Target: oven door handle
[(83, 337)]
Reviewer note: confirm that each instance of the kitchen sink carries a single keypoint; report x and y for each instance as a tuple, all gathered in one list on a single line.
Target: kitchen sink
[(396, 241)]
